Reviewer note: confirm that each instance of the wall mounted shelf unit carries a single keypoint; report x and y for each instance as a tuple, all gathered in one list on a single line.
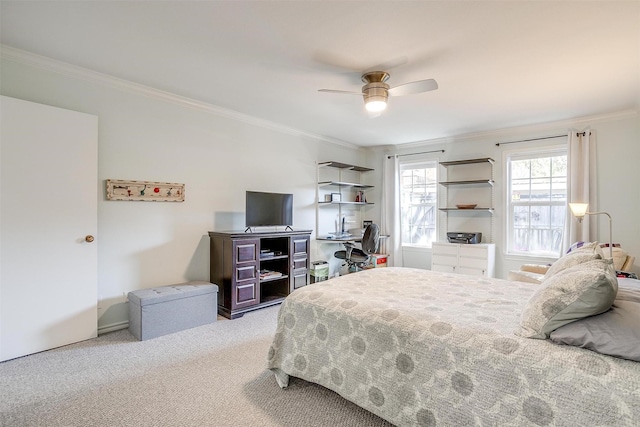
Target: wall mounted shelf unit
[(340, 195), (476, 209), (468, 182)]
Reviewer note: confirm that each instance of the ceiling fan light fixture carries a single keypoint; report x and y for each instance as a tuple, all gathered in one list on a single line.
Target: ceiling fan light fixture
[(375, 105), (376, 91), (375, 95)]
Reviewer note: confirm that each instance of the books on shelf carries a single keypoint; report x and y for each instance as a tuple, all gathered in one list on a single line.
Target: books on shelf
[(268, 253), (269, 274)]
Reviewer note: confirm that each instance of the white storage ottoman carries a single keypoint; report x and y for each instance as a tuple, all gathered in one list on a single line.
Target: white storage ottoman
[(167, 309)]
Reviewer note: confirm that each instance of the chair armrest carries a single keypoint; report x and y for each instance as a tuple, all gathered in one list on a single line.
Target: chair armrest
[(535, 268), (525, 276), (628, 263)]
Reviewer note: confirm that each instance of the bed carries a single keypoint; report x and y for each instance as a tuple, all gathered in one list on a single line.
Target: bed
[(418, 347)]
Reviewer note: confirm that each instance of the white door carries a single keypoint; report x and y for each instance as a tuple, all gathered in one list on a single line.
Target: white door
[(48, 204)]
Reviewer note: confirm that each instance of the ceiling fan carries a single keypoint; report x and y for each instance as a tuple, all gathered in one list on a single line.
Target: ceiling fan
[(376, 91)]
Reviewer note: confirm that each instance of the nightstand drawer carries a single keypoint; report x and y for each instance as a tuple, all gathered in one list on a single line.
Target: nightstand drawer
[(474, 251), (444, 259), (446, 249), (473, 263)]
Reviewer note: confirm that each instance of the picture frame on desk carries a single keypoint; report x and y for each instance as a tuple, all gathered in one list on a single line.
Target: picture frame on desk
[(366, 223)]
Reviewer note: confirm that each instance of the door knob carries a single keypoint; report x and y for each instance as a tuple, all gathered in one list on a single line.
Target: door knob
[(88, 238)]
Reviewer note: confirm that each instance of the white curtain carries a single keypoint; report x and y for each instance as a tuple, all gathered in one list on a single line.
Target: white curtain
[(390, 210), (581, 186)]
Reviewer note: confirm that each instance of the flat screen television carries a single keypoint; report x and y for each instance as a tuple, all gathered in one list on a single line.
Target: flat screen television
[(268, 209)]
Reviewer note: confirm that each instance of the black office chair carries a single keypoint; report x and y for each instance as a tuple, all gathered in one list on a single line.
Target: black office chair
[(357, 258)]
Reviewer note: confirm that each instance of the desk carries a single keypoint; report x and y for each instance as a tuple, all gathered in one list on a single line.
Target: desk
[(382, 247), (340, 240)]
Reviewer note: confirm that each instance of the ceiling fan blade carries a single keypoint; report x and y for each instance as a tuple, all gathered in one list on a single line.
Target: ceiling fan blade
[(414, 87), (347, 92)]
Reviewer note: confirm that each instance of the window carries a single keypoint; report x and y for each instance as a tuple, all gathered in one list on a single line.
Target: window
[(418, 203), (536, 202)]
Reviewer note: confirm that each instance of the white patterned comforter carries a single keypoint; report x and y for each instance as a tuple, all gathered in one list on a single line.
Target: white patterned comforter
[(418, 347)]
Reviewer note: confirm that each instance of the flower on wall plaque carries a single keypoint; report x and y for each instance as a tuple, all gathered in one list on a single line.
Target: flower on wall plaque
[(149, 191)]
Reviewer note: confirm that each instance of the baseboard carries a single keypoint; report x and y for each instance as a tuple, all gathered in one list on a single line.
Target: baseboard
[(113, 327)]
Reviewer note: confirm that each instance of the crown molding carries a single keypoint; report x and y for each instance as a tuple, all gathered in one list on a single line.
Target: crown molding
[(74, 71), (534, 129), (28, 58)]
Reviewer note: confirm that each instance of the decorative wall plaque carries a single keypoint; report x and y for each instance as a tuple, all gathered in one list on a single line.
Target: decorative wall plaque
[(148, 191)]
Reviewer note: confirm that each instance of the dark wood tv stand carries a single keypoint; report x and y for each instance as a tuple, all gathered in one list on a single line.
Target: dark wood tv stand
[(237, 259)]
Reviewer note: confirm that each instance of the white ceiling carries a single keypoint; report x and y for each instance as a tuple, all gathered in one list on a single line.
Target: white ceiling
[(498, 64)]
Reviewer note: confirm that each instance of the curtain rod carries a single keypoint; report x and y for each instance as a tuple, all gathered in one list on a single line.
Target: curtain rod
[(532, 139), (413, 154)]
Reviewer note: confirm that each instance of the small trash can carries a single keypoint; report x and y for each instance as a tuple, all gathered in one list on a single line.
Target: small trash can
[(319, 271)]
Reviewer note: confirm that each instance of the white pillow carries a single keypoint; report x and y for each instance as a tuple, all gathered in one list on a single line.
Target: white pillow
[(571, 259)]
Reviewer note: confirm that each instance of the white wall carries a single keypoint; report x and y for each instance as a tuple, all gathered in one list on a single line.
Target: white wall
[(144, 137), (618, 151), (141, 137)]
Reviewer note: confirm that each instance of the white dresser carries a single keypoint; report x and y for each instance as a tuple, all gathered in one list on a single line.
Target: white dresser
[(473, 259)]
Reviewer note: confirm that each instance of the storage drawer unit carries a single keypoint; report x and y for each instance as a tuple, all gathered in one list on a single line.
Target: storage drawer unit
[(475, 260)]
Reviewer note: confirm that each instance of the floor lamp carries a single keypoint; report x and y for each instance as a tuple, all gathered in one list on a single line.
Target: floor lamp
[(579, 210)]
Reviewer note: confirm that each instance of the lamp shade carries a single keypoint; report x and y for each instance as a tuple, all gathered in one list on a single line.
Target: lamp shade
[(578, 210)]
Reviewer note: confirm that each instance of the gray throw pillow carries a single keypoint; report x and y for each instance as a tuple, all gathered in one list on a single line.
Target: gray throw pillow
[(615, 332), (574, 293)]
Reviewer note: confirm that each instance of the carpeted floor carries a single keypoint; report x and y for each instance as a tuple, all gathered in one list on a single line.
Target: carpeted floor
[(213, 375)]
